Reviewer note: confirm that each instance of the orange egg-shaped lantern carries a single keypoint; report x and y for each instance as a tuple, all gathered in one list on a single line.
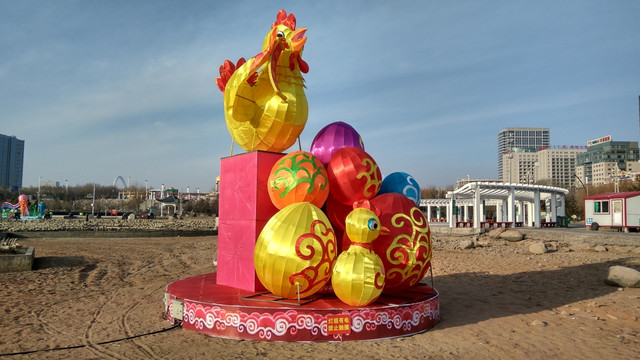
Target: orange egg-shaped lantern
[(298, 177), (358, 274), (353, 175), (295, 251), (406, 249)]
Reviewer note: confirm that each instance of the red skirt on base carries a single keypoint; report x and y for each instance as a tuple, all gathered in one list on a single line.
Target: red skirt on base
[(202, 305)]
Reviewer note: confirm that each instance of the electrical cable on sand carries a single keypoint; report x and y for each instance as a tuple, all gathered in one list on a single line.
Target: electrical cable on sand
[(84, 345)]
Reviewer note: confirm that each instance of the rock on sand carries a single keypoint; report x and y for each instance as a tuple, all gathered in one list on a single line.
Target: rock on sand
[(537, 248), (623, 276), (512, 235)]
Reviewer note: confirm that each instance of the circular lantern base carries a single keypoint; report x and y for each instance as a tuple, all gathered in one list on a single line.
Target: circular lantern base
[(199, 304)]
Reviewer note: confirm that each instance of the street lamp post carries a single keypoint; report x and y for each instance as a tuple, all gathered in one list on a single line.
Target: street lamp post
[(583, 185), (511, 141), (93, 199), (39, 177), (533, 171)]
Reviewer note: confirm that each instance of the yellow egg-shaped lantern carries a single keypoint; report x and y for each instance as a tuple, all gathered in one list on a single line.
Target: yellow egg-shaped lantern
[(295, 251), (358, 274), (358, 277)]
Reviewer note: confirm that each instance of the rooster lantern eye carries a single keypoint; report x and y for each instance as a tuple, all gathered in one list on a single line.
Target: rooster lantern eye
[(280, 34), (373, 224)]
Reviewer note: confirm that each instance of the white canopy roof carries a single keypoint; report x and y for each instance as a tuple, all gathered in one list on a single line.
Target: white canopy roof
[(492, 193), (522, 192)]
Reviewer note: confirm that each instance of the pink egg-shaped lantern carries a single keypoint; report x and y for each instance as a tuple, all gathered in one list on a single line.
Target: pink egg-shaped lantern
[(334, 137)]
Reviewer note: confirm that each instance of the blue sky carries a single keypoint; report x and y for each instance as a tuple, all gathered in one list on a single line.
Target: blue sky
[(100, 89)]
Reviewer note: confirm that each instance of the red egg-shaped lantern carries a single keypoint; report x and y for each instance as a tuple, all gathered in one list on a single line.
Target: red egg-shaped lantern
[(406, 250), (353, 175), (337, 212), (298, 177)]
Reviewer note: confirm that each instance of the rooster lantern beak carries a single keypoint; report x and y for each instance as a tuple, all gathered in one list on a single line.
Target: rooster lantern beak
[(275, 43), (298, 39), (278, 43)]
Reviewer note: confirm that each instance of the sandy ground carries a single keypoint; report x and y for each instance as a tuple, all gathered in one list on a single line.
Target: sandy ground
[(498, 301)]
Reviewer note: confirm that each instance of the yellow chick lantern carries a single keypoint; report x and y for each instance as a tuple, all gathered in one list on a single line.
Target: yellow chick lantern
[(358, 274), (264, 101), (295, 251)]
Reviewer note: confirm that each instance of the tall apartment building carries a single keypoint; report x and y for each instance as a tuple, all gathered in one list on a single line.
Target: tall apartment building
[(11, 161), (518, 166), (549, 165), (605, 159), (557, 165), (521, 138)]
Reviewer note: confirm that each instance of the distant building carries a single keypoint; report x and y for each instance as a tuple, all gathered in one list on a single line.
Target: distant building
[(50, 183), (606, 160), (557, 165), (464, 181), (11, 162), (521, 138), (518, 165), (547, 165)]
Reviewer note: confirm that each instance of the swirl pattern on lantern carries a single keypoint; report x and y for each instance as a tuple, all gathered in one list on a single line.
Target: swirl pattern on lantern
[(353, 176), (413, 249), (320, 240), (297, 177), (372, 176), (295, 251)]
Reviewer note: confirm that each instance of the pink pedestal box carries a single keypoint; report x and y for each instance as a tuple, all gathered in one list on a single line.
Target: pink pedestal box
[(245, 208)]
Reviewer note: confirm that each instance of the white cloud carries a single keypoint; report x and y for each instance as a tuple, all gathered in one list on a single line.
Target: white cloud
[(402, 73)]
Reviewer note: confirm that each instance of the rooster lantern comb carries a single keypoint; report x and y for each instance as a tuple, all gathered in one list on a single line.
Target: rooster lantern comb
[(265, 107)]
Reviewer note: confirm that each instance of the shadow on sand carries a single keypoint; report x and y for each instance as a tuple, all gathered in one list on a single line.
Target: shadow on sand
[(468, 298), (49, 262)]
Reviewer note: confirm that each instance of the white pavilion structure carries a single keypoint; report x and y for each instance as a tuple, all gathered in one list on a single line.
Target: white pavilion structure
[(515, 205)]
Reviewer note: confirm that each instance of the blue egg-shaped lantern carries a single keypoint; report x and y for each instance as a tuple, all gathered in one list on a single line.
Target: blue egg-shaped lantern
[(401, 183)]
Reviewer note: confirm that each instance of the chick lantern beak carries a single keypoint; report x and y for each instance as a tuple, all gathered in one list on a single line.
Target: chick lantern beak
[(384, 230)]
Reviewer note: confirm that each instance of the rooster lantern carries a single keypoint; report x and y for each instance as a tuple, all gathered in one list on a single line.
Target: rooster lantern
[(264, 101)]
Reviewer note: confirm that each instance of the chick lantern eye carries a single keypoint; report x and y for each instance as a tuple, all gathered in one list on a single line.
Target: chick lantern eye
[(280, 34), (373, 224)]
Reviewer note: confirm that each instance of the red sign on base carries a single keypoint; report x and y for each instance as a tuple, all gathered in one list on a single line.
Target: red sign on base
[(338, 324)]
